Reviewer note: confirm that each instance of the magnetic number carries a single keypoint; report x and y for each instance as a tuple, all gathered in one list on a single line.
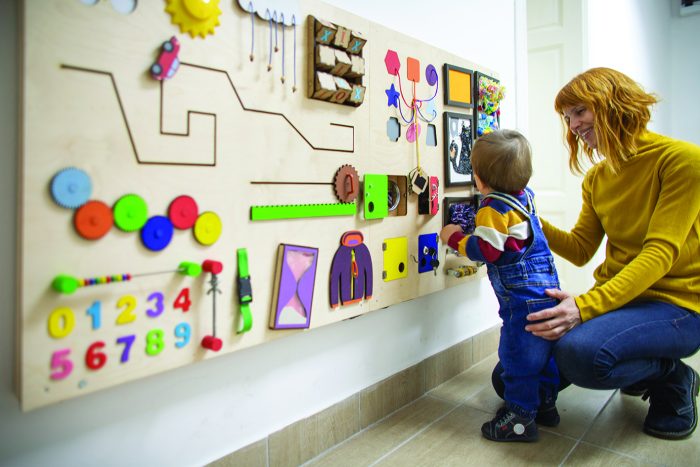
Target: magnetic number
[(94, 359), (128, 341), (61, 363), (183, 331), (158, 297), (154, 342), (61, 322), (95, 312), (127, 315), (183, 300)]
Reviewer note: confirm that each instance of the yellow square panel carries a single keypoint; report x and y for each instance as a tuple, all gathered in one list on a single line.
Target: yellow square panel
[(395, 258)]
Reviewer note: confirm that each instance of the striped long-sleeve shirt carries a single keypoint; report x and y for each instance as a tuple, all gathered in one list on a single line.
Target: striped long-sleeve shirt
[(501, 235)]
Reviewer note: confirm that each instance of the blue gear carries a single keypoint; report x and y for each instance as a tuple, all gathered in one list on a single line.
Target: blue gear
[(71, 188), (157, 233)]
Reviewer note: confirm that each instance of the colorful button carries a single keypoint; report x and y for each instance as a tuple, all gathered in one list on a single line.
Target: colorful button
[(130, 213), (183, 212), (157, 233), (93, 220), (207, 229)]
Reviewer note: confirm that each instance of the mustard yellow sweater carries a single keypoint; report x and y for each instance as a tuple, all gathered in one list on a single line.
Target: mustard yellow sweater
[(650, 212)]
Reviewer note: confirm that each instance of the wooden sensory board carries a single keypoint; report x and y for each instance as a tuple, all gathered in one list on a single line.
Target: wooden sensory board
[(88, 101)]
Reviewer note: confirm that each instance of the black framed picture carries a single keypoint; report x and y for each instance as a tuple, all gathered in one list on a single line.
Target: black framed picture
[(459, 138), (488, 93), (458, 86), (460, 211)]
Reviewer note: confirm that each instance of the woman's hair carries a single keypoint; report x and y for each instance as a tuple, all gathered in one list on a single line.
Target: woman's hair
[(621, 110), (502, 160)]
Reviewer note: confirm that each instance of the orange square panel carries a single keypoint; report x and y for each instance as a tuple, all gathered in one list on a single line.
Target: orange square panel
[(413, 69)]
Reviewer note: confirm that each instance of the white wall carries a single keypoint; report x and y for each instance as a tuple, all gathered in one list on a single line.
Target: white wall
[(634, 37), (683, 75), (197, 414)]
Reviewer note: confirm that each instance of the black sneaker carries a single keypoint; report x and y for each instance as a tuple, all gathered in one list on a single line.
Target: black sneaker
[(547, 414), (673, 412), (508, 426)]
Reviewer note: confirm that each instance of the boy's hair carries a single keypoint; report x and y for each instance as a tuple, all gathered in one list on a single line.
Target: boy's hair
[(502, 159), (621, 112)]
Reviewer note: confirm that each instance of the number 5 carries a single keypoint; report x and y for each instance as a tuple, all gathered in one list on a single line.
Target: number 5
[(61, 363)]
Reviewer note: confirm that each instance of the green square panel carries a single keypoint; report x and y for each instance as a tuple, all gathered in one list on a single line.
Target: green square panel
[(376, 196)]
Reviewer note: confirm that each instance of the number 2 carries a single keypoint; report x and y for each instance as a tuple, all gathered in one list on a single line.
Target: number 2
[(129, 303)]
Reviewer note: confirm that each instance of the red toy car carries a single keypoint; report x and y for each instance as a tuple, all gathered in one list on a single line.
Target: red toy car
[(167, 63)]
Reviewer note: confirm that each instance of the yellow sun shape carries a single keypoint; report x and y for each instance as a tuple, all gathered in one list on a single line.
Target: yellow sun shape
[(196, 17)]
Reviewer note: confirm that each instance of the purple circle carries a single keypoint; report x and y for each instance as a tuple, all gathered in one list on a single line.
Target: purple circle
[(431, 75)]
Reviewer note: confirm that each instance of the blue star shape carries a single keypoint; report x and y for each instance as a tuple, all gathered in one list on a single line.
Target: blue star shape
[(393, 96)]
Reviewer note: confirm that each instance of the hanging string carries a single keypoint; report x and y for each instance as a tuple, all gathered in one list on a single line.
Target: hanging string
[(274, 15), (294, 25), (282, 23), (401, 89), (415, 128), (252, 30), (269, 60)]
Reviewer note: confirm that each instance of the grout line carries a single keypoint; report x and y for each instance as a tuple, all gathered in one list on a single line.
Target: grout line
[(590, 426), (412, 437)]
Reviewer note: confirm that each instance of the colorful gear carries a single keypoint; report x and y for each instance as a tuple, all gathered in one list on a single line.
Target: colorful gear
[(157, 233), (130, 213), (196, 17), (183, 212), (93, 220), (71, 188), (346, 183), (207, 229)]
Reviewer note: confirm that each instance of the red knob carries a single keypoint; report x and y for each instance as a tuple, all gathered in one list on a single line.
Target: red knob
[(212, 343), (214, 267)]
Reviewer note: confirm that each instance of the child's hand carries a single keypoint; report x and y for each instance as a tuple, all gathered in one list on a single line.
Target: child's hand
[(447, 232)]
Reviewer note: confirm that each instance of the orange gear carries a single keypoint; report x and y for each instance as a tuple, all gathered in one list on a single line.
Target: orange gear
[(93, 220), (346, 183)]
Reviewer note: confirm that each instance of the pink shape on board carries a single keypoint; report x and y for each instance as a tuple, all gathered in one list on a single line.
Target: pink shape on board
[(393, 65), (413, 69), (413, 132), (299, 262)]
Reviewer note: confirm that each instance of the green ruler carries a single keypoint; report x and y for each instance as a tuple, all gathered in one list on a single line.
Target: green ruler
[(296, 211)]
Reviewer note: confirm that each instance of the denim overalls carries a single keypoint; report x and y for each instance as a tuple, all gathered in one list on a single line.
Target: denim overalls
[(530, 374)]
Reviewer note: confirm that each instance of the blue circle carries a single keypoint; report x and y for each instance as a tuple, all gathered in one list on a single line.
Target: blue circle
[(157, 233), (71, 188), (431, 75)]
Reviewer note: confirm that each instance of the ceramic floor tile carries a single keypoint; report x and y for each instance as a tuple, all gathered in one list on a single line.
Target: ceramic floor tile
[(578, 408), (619, 428), (591, 456), (467, 383), (456, 440), (371, 444)]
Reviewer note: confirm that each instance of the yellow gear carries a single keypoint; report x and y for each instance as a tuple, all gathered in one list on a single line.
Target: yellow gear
[(196, 17)]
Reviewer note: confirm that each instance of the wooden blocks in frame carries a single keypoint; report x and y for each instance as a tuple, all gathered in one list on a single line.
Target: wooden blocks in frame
[(336, 64)]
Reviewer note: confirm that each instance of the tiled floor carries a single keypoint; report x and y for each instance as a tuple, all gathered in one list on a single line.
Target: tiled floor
[(442, 428)]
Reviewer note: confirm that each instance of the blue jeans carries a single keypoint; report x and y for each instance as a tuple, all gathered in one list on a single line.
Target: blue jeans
[(636, 343)]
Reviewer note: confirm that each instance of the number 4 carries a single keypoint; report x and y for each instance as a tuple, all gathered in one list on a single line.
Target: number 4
[(183, 300)]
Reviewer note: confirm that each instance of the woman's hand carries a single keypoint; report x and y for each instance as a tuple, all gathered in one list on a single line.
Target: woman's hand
[(558, 320), (447, 232)]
